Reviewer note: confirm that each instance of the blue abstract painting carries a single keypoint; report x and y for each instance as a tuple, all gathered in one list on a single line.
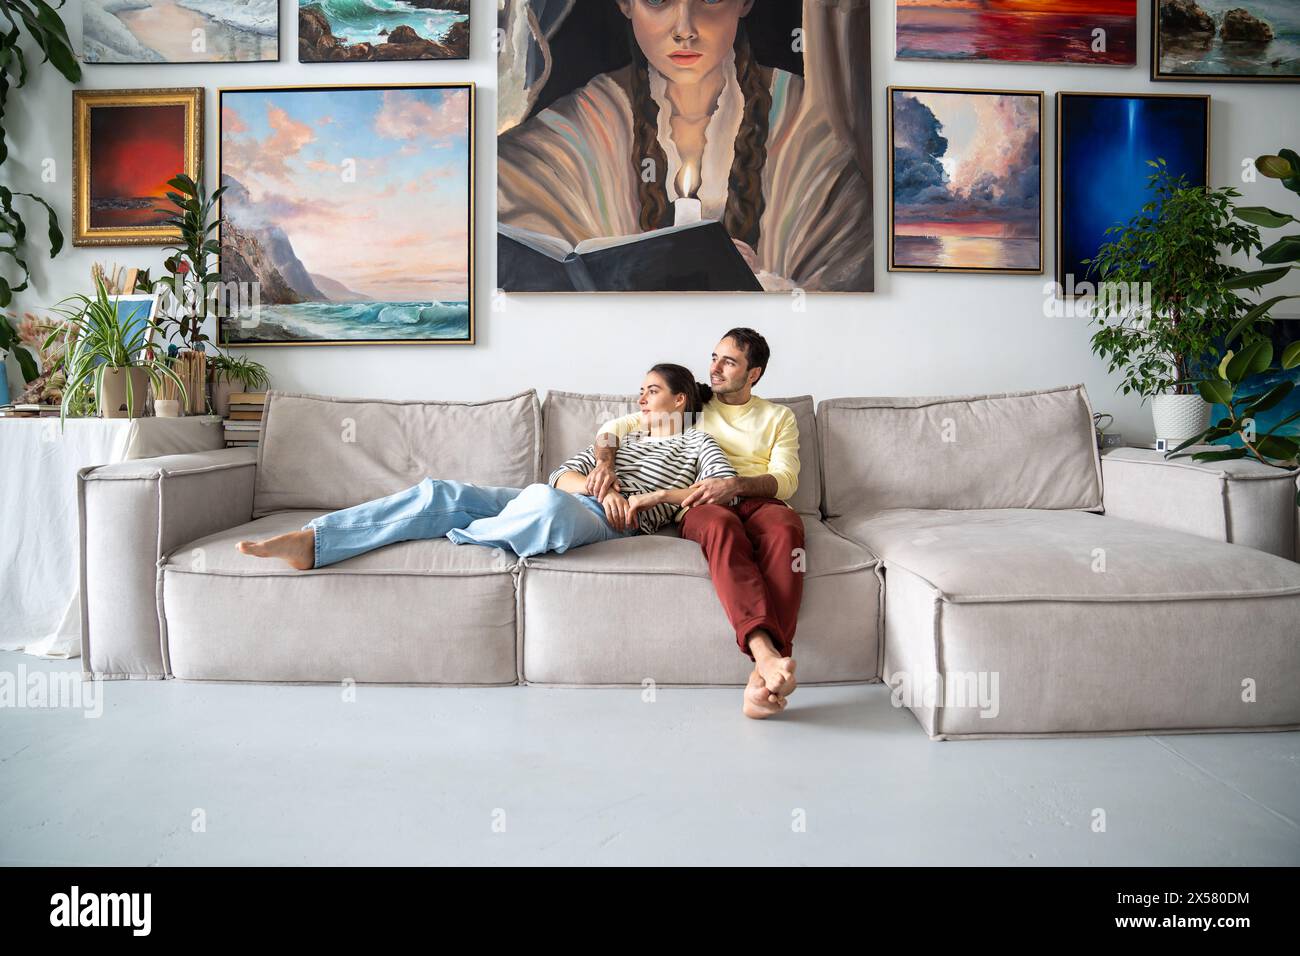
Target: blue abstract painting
[(1103, 143)]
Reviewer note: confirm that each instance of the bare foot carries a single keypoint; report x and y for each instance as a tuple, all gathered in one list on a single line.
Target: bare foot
[(777, 674), (298, 548), (759, 701)]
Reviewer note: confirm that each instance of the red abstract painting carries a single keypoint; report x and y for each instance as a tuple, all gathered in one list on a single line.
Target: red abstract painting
[(133, 151), (1100, 32)]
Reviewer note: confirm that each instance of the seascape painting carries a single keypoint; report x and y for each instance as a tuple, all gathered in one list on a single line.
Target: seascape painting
[(180, 31), (350, 209), (1103, 144), (679, 147), (1078, 32), (346, 31), (126, 145), (965, 183), (1250, 40)]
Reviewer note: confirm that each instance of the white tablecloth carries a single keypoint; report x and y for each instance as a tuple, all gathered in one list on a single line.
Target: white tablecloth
[(39, 596)]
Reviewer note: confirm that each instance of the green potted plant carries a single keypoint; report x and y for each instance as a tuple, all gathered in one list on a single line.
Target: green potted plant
[(1179, 301), (234, 373), (111, 358), (1278, 446), (45, 26), (186, 288)]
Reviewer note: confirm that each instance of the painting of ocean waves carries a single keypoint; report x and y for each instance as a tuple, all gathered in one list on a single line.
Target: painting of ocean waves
[(356, 320)]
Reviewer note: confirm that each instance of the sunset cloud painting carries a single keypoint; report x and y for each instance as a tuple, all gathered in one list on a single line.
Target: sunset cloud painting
[(350, 208), (1100, 32), (965, 186)]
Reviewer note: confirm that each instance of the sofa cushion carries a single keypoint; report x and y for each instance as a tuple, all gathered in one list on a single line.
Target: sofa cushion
[(1012, 450), (330, 453), (1079, 623), (572, 419), (643, 608), (416, 612)]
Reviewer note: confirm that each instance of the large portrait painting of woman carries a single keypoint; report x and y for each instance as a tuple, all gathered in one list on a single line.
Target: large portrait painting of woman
[(684, 146)]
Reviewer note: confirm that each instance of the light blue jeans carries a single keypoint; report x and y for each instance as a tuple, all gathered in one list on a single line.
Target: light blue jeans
[(526, 521)]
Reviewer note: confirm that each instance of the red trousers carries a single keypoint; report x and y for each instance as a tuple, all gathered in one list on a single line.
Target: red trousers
[(751, 550)]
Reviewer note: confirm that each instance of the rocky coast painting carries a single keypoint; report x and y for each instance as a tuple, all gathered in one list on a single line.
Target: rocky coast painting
[(180, 31), (331, 31), (1251, 40), (348, 210)]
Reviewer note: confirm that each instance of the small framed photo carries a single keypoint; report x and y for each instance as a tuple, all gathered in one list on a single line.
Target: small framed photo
[(126, 144)]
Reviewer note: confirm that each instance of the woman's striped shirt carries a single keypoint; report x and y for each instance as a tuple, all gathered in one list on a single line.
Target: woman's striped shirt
[(645, 463)]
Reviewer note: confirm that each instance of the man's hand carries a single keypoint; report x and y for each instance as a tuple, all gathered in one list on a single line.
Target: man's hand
[(602, 480), (617, 509), (711, 491)]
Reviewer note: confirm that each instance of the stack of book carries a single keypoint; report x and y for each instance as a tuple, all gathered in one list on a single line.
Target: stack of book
[(29, 411), (244, 426)]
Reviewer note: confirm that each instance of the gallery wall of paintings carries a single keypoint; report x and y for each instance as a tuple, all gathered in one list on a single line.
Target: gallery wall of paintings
[(929, 163)]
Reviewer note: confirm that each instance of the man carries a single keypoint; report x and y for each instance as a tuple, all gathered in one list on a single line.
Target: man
[(748, 533)]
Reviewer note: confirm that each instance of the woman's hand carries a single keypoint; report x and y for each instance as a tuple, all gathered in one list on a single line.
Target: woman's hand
[(616, 510), (639, 504)]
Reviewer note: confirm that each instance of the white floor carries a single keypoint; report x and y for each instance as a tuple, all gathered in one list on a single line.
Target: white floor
[(178, 773)]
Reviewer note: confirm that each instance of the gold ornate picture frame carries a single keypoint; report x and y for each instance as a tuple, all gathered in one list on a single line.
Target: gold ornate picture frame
[(126, 144)]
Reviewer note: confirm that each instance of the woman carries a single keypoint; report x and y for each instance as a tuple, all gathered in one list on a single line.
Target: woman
[(768, 154), (656, 465)]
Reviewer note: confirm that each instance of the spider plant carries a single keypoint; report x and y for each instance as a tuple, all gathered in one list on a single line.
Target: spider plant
[(253, 376), (97, 340)]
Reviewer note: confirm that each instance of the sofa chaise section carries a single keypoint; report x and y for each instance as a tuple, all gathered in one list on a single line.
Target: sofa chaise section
[(1091, 625), (1014, 608)]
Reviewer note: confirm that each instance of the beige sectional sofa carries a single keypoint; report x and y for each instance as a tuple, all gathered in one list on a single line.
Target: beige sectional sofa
[(955, 548)]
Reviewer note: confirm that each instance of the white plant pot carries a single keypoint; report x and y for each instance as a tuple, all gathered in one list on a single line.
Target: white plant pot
[(1180, 417), (167, 407)]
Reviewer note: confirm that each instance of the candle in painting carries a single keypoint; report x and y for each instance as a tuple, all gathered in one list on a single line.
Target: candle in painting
[(687, 208)]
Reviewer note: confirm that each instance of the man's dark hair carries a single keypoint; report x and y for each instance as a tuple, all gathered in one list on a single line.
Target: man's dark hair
[(754, 346)]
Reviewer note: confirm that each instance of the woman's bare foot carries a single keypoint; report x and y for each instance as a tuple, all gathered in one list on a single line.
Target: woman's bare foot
[(298, 548), (759, 701)]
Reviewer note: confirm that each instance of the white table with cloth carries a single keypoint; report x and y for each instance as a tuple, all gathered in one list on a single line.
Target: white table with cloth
[(40, 607)]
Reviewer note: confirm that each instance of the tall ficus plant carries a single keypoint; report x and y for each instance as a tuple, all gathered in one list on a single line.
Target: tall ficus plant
[(42, 22), (1169, 254)]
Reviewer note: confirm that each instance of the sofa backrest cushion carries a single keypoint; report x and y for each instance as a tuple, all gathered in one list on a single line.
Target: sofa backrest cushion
[(1011, 450), (572, 419), (329, 453)]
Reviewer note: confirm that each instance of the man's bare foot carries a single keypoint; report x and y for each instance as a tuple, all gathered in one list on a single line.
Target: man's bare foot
[(778, 674), (759, 701), (298, 548)]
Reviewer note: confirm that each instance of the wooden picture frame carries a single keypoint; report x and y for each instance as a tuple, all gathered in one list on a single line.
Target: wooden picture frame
[(418, 312), (102, 141), (893, 263), (1062, 290)]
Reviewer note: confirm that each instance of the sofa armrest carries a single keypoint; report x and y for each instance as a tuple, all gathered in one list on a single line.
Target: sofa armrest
[(132, 513), (1241, 502)]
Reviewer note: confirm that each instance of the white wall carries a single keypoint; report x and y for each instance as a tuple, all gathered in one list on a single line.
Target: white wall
[(917, 334)]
